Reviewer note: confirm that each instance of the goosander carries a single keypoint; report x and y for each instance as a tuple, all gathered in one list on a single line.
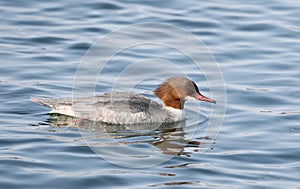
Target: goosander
[(130, 108)]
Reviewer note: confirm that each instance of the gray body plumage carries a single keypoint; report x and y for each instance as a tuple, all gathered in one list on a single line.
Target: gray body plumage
[(114, 108)]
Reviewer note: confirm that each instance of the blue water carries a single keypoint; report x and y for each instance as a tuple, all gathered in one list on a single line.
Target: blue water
[(255, 44)]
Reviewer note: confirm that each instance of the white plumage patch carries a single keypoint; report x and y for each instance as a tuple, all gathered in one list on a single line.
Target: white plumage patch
[(173, 114), (66, 110), (190, 98)]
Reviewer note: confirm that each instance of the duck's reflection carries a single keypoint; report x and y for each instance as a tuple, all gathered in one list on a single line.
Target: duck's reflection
[(169, 138)]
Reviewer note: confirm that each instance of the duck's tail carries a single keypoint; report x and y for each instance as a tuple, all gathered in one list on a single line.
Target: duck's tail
[(43, 101)]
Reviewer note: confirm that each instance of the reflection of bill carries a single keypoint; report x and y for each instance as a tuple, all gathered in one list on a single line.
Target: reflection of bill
[(169, 138)]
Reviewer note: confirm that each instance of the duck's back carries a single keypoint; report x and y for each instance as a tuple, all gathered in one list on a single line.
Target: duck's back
[(115, 108)]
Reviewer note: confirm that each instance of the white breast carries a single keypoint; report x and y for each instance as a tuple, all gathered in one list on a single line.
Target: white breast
[(173, 114)]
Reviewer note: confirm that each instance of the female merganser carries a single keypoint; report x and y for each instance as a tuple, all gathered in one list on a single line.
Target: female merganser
[(130, 108)]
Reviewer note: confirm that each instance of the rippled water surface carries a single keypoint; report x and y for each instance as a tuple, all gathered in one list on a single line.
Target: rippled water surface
[(256, 46)]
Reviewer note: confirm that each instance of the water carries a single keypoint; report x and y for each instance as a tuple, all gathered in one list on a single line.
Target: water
[(255, 44)]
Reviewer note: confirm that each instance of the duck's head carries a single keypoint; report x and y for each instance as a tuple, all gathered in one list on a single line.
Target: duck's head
[(176, 90)]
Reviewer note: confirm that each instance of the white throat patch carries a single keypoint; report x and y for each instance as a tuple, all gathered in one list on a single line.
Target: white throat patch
[(190, 98)]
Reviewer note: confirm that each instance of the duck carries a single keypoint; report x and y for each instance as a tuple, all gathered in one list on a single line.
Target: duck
[(130, 108)]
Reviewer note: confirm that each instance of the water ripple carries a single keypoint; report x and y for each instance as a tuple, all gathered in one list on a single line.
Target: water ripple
[(256, 45)]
